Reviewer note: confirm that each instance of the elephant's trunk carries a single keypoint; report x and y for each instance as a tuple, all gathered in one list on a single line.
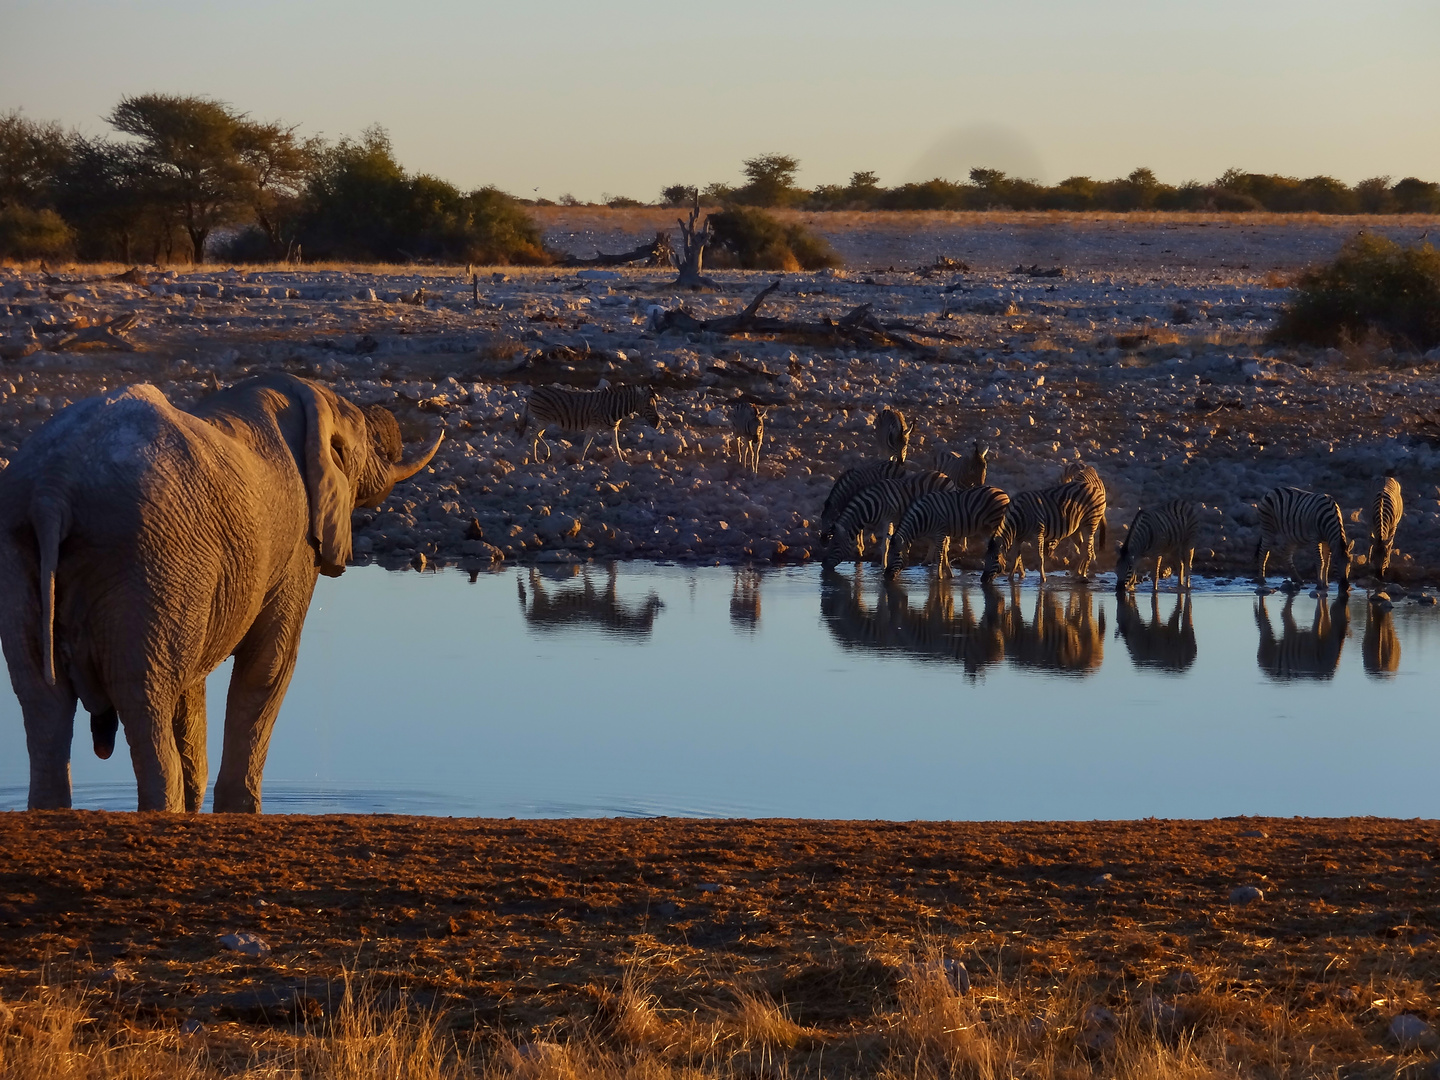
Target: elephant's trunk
[(403, 470)]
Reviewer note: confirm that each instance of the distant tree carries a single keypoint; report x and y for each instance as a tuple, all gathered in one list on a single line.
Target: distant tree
[(570, 200), (1373, 196), (678, 195), (867, 182), (30, 155), (771, 181), (1415, 196), (191, 147), (277, 165), (106, 191)]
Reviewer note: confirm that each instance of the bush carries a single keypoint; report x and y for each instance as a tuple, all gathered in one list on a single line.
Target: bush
[(1374, 286), (679, 195), (33, 234), (758, 241)]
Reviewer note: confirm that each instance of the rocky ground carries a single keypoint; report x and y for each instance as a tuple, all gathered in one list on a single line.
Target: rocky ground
[(1146, 358), (1250, 947)]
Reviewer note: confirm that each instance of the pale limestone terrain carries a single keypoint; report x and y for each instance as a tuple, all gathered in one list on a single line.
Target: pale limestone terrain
[(1147, 359)]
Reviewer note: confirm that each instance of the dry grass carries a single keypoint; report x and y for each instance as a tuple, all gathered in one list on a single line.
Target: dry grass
[(932, 1028)]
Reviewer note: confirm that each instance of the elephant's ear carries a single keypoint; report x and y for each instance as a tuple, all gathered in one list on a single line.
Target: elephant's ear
[(332, 497)]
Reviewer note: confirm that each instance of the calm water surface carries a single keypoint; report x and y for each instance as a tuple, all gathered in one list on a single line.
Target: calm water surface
[(713, 691)]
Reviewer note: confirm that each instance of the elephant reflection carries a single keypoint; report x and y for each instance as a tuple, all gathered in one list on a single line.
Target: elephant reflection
[(745, 598), (1169, 645), (1299, 653), (1380, 648), (1069, 640), (586, 606)]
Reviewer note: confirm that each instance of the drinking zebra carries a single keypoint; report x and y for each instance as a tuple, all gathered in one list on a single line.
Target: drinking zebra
[(1385, 514), (942, 516), (1290, 516), (747, 421), (588, 411), (1168, 529), (876, 509), (849, 484), (1047, 517), (893, 434)]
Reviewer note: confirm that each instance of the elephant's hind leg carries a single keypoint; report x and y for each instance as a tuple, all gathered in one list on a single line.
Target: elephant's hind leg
[(190, 739), (49, 728), (264, 663)]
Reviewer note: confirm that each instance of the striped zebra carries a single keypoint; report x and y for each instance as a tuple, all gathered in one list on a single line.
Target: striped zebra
[(1046, 517), (1385, 514), (747, 421), (1168, 529), (1077, 472), (850, 483), (876, 509), (892, 432), (588, 411), (966, 471), (943, 516), (1289, 517)]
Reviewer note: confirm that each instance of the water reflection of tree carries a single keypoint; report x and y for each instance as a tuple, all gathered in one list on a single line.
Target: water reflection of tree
[(975, 631), (745, 598), (1168, 645), (1380, 648), (1300, 653), (549, 608)]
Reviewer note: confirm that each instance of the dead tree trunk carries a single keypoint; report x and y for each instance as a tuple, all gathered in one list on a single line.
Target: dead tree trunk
[(693, 253), (656, 252)]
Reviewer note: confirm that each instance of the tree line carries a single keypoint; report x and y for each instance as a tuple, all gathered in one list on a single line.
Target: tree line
[(183, 177), (181, 170), (770, 182)]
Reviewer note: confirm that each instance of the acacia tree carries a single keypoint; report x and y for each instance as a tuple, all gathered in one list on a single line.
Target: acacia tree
[(190, 147), (772, 180), (30, 154), (278, 165)]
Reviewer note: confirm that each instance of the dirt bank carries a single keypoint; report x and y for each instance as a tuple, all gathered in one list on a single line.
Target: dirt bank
[(529, 928)]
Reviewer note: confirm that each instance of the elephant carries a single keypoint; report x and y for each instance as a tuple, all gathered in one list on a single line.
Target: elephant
[(142, 544)]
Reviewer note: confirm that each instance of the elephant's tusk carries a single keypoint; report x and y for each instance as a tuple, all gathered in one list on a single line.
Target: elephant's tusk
[(403, 470)]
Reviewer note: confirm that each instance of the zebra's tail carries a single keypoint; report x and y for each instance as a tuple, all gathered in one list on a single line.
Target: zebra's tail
[(1102, 534)]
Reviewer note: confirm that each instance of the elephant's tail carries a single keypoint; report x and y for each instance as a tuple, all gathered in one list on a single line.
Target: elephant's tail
[(50, 518)]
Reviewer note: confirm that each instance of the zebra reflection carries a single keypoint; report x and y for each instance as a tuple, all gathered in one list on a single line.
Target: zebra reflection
[(1167, 646), (1380, 648), (745, 599), (1069, 640), (586, 606), (1301, 653)]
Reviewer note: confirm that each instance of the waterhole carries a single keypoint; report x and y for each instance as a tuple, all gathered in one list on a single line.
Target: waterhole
[(652, 689)]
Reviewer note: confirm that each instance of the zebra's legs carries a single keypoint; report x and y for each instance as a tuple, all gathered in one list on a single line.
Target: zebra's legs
[(1322, 573), (615, 433), (1040, 553), (1159, 573), (534, 446), (1263, 553), (942, 564), (1187, 567)]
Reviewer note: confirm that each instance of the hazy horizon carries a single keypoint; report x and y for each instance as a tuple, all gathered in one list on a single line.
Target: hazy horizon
[(552, 98)]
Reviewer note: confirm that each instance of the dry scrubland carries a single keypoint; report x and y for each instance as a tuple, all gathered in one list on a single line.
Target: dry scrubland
[(1147, 358), (730, 949)]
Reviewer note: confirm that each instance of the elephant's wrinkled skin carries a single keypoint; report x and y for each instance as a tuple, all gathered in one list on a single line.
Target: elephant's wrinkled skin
[(141, 545)]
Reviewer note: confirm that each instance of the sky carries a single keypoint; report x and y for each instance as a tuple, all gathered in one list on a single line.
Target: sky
[(547, 97)]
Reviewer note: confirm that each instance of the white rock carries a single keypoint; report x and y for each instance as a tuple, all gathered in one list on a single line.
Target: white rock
[(247, 943), (1245, 894)]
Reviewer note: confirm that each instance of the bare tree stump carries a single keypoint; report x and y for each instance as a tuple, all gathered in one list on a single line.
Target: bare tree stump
[(692, 255)]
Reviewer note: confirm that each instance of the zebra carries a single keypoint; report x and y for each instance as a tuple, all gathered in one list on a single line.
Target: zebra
[(1291, 516), (1048, 516), (1077, 472), (942, 516), (848, 485), (876, 509), (747, 421), (966, 471), (1385, 514), (589, 411), (1168, 529), (892, 432)]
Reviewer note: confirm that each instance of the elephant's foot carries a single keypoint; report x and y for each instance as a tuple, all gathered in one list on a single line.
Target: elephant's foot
[(230, 800), (103, 727)]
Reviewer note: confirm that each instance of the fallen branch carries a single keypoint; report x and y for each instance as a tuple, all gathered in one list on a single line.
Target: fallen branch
[(106, 333), (656, 252), (857, 327)]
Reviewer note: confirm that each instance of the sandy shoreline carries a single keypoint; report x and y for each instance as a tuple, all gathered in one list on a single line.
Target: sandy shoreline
[(528, 928), (1147, 359)]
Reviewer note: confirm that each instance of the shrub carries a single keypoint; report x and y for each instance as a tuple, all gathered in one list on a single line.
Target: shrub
[(1374, 286), (679, 195), (33, 234), (759, 241), (621, 202)]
